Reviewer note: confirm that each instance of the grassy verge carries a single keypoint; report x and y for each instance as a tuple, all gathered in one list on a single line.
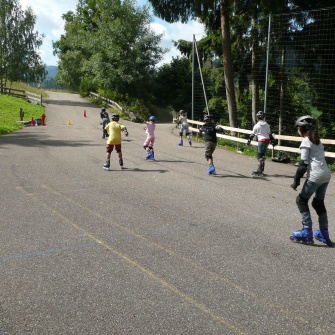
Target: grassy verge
[(25, 87), (10, 113)]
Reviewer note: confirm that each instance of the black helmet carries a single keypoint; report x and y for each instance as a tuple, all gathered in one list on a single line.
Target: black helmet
[(103, 109), (305, 121), (260, 115), (115, 117), (208, 118)]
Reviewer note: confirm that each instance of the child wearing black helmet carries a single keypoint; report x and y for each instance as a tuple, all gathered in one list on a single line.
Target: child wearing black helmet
[(209, 128), (313, 162), (114, 139), (104, 121), (262, 130)]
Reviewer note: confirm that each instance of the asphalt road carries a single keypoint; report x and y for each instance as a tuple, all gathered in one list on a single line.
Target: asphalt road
[(156, 248)]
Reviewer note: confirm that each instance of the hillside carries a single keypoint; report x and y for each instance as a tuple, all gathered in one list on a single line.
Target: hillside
[(52, 71)]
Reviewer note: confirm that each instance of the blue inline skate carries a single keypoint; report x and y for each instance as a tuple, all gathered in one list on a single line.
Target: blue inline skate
[(322, 235), (181, 142), (304, 236), (150, 156), (211, 169)]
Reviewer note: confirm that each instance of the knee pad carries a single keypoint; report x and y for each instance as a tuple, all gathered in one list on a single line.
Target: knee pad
[(302, 204), (319, 206), (181, 134), (118, 151), (109, 151), (145, 147), (208, 157)]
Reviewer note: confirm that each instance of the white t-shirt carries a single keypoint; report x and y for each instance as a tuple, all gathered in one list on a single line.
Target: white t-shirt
[(317, 170)]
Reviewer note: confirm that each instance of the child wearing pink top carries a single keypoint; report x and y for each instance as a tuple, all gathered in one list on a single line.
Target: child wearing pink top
[(150, 140)]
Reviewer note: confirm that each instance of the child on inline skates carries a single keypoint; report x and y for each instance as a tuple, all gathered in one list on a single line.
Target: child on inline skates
[(318, 176), (264, 137), (182, 120), (148, 144), (114, 139), (104, 121), (210, 129)]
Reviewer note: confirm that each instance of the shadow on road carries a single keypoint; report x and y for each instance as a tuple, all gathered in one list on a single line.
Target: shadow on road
[(137, 170), (31, 140), (70, 103)]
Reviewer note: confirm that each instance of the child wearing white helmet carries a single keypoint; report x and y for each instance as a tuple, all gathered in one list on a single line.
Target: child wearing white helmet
[(182, 120), (262, 130), (313, 162)]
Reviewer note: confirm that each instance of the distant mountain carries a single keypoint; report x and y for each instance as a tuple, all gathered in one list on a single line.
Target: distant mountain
[(52, 71)]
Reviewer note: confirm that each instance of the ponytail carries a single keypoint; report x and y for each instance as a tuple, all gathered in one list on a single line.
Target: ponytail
[(314, 137)]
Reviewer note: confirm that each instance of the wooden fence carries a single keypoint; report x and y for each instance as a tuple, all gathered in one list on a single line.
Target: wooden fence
[(113, 104), (26, 95), (108, 102), (235, 133)]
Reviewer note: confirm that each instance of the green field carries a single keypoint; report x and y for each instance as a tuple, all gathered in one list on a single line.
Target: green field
[(10, 113)]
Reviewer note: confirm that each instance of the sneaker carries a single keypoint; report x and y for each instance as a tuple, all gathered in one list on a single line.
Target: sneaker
[(121, 162), (302, 236), (211, 169), (323, 237)]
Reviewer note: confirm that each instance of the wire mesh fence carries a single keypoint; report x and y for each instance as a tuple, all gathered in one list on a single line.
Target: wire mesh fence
[(286, 68)]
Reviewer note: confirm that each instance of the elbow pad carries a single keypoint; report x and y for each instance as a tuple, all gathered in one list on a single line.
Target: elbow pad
[(301, 170)]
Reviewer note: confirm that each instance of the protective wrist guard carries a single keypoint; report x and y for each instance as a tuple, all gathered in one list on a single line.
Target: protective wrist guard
[(301, 170), (251, 137), (272, 140), (219, 129)]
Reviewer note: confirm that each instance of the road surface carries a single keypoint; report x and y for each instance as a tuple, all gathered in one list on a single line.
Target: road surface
[(156, 248)]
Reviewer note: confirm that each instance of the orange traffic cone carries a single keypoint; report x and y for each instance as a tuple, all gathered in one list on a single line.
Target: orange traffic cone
[(32, 122), (84, 113)]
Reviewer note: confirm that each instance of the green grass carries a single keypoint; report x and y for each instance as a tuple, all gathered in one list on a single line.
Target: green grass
[(10, 113), (25, 87)]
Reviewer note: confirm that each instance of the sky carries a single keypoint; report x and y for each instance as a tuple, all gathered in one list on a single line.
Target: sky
[(50, 23)]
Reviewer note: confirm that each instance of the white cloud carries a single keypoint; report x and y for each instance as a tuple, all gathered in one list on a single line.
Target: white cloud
[(174, 32), (50, 23)]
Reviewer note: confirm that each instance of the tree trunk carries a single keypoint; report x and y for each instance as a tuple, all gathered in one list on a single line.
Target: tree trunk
[(227, 64)]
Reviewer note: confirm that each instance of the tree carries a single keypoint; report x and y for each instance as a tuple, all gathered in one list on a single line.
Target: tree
[(173, 85), (172, 11), (113, 46), (19, 43)]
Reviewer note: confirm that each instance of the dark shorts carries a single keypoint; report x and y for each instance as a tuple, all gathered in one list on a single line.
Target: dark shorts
[(110, 147), (209, 149)]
